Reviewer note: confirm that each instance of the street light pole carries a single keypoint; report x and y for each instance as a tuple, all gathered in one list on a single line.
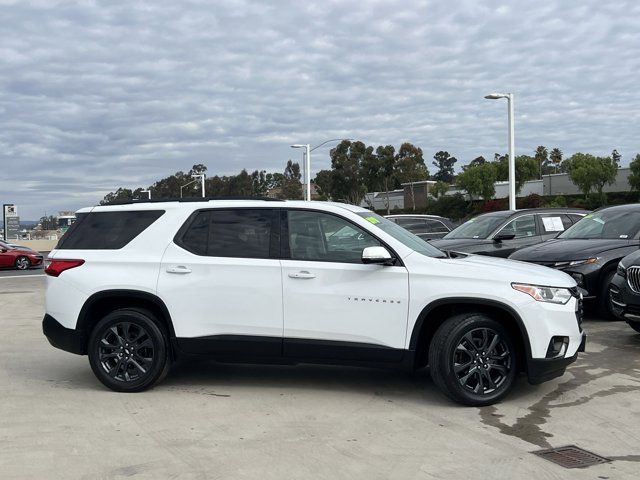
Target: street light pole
[(307, 162), (512, 146), (201, 177)]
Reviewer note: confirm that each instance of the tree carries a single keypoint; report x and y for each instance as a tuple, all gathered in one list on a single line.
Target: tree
[(121, 194), (444, 163), (616, 157), (291, 186), (323, 182), (526, 169), (347, 182), (542, 158), (475, 162), (479, 180), (556, 158), (588, 172), (634, 174), (410, 167), (439, 188), (386, 162)]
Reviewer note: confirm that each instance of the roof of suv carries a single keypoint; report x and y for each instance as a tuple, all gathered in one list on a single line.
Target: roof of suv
[(195, 203)]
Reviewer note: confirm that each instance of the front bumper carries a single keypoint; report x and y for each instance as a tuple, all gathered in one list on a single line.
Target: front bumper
[(541, 370), (66, 339), (625, 303)]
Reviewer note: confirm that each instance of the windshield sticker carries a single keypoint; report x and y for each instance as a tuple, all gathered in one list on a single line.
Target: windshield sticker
[(599, 220), (373, 220), (624, 236), (588, 216), (476, 236)]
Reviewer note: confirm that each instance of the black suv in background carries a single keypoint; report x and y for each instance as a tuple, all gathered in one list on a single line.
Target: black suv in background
[(591, 249), (624, 290), (426, 227), (499, 234)]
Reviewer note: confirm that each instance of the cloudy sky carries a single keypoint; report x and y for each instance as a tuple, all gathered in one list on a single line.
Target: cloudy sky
[(96, 95)]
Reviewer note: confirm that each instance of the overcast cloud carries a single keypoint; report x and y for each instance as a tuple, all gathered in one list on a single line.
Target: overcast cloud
[(96, 95)]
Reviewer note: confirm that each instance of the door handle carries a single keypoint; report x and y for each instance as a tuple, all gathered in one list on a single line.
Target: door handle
[(181, 269), (302, 274)]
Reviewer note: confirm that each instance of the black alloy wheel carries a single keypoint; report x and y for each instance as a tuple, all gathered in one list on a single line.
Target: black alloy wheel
[(128, 350), (472, 359)]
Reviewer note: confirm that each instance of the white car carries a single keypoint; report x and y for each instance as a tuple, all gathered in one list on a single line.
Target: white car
[(136, 286)]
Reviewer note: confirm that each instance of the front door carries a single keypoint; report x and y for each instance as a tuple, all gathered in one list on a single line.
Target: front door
[(336, 307), (221, 281), (526, 233)]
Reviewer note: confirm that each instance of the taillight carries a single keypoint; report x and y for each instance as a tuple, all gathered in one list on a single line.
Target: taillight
[(55, 266)]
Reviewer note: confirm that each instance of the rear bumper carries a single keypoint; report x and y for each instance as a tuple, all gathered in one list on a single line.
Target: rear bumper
[(541, 370), (66, 339)]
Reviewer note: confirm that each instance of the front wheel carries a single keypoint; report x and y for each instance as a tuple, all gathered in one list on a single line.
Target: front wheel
[(128, 351), (635, 326), (22, 263), (472, 359), (604, 305)]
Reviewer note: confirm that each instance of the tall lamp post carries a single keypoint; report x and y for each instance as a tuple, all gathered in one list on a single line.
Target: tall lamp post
[(201, 177), (512, 146), (307, 165)]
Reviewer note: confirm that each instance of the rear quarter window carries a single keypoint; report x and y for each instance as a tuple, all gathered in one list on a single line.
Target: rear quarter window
[(107, 230)]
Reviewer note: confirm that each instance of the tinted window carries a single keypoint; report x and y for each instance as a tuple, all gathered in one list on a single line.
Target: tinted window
[(239, 233), (524, 226), (478, 227), (107, 230), (322, 237), (608, 223), (196, 238), (434, 226)]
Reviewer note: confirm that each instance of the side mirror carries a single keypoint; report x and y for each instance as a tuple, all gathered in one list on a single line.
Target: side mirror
[(379, 255), (504, 236)]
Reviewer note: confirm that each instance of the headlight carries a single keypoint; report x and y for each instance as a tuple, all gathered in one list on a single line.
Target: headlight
[(544, 294), (587, 261), (622, 270)]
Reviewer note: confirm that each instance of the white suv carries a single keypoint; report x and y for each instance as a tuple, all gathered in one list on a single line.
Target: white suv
[(136, 286)]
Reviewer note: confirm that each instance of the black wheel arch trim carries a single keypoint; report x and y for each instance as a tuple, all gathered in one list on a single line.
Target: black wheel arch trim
[(84, 320), (415, 334)]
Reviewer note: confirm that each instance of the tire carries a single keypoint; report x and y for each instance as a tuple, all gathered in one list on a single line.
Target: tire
[(455, 351), (635, 326), (128, 350), (604, 305), (22, 263)]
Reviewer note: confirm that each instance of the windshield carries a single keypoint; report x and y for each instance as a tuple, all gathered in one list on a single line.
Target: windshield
[(478, 227), (403, 236), (606, 224)]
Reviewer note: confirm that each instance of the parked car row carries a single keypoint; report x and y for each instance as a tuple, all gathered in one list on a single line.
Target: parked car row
[(599, 250)]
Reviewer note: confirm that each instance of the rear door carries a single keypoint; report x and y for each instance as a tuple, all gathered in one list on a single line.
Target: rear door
[(221, 281), (552, 224)]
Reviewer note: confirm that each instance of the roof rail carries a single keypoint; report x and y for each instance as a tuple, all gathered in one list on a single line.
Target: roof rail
[(192, 199)]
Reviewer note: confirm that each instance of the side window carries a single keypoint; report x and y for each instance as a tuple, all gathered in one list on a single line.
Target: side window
[(524, 226), (239, 233), (435, 226), (554, 223), (196, 238), (322, 237)]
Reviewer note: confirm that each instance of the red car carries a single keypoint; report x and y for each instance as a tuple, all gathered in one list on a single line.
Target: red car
[(18, 257)]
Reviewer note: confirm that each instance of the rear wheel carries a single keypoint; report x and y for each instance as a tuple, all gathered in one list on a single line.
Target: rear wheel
[(22, 263), (472, 359), (128, 351)]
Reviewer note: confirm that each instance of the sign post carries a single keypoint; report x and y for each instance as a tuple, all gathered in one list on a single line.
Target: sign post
[(11, 221)]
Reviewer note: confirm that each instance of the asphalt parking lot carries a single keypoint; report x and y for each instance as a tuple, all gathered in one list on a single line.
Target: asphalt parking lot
[(230, 421)]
